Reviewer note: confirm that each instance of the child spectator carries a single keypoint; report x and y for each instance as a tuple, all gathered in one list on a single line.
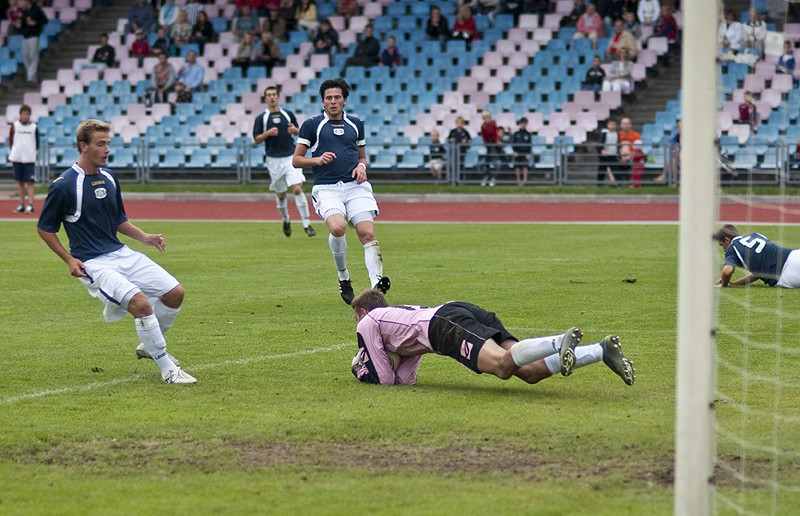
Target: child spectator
[(139, 48), (162, 43), (637, 160), (595, 76), (748, 113), (182, 96), (609, 152), (521, 145), (105, 56), (786, 61), (437, 155), (631, 24), (490, 140), (390, 56), (460, 137), (23, 139)]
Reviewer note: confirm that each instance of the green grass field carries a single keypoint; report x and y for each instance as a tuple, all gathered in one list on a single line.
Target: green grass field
[(277, 424)]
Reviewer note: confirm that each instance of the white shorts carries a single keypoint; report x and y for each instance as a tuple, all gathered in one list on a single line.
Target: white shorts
[(790, 274), (114, 278), (282, 174), (348, 199)]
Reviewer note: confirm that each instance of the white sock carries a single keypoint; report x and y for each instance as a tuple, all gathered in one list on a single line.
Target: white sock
[(374, 261), (281, 203), (530, 350), (150, 334), (302, 206), (165, 315), (553, 363), (587, 355), (338, 247)]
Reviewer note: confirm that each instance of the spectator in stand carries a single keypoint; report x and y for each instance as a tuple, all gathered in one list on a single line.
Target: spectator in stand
[(14, 16), (595, 76), (786, 61), (631, 24), (193, 10), (464, 27), (268, 6), (287, 14), (142, 16), (459, 138), (105, 55), (140, 48), (162, 44), (306, 15), (275, 25), (667, 26), (327, 40), (571, 20), (755, 30), (610, 10), (168, 14), (521, 147), (246, 53), (181, 30), (619, 77), (258, 7), (390, 56), (503, 150), (674, 156), (437, 27), (609, 153), (437, 154), (490, 140), (367, 51), (347, 8), (191, 73), (182, 96), (731, 34), (33, 22), (626, 133), (246, 21), (633, 156), (269, 53), (162, 81), (621, 39), (23, 140), (648, 11), (590, 25), (202, 31), (748, 114)]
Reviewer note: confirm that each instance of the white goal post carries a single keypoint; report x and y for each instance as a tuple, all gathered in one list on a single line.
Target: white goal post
[(694, 438)]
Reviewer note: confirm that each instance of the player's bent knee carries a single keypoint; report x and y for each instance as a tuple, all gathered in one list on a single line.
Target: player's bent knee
[(139, 306), (174, 298)]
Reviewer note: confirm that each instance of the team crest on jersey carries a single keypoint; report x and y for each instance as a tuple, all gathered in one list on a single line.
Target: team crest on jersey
[(100, 193), (338, 131), (276, 120)]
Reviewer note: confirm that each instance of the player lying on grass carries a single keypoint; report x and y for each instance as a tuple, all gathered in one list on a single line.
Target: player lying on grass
[(392, 340), (86, 199), (766, 261)]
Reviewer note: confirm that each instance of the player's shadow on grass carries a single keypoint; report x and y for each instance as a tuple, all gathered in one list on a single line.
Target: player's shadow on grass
[(504, 390)]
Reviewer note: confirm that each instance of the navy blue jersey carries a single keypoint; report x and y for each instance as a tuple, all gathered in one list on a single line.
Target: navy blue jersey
[(277, 146), (521, 142), (90, 206), (341, 137), (758, 255)]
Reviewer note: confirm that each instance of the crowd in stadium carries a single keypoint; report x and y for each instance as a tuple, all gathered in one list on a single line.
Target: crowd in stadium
[(168, 53)]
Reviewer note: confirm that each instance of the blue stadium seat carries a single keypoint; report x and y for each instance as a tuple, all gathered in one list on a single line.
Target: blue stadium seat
[(190, 47), (745, 159), (729, 144), (220, 25), (199, 158), (122, 158)]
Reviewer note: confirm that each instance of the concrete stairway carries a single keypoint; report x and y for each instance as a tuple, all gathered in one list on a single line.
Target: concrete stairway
[(662, 86)]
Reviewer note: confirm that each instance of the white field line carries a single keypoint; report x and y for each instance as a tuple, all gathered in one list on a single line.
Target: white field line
[(202, 367), (586, 222)]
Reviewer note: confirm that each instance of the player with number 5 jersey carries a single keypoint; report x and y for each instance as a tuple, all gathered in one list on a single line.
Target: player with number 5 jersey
[(764, 259), (341, 192)]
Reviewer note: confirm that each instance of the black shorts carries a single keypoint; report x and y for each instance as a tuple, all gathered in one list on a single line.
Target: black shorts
[(24, 171), (459, 330)]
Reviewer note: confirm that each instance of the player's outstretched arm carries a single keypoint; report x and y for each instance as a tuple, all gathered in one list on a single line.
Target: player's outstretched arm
[(52, 241), (746, 280), (129, 230), (725, 278)]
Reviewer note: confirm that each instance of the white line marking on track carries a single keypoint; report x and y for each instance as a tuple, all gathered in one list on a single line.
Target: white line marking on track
[(202, 367)]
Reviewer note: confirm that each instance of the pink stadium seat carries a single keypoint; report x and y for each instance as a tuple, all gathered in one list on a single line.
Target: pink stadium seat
[(552, 21), (31, 97), (517, 35), (741, 131), (753, 83), (658, 44), (64, 76), (586, 121), (213, 51), (228, 39), (176, 62), (50, 12), (724, 121), (234, 111), (128, 133), (219, 123), (535, 121), (149, 63), (452, 99), (73, 88), (611, 98), (549, 133), (506, 73), (493, 85), (337, 22), (782, 82), (12, 112), (518, 60), (137, 75), (83, 5), (564, 7), (603, 111), (559, 121), (90, 50), (678, 15), (771, 97), (731, 107), (136, 111), (373, 10), (413, 132), (118, 122), (467, 85), (479, 98), (204, 132), (528, 21), (572, 110), (791, 31), (127, 65), (542, 35), (425, 122), (213, 11), (87, 76), (305, 48), (578, 134), (357, 23), (229, 12), (480, 72), (319, 62), (765, 69), (764, 109), (305, 74), (142, 122), (346, 37), (295, 62), (647, 58), (506, 119), (68, 15), (56, 99), (212, 74), (584, 98), (738, 96), (639, 72), (49, 86), (159, 111), (438, 111), (111, 75), (504, 47), (121, 24)]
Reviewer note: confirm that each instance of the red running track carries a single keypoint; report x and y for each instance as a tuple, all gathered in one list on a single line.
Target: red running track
[(449, 212)]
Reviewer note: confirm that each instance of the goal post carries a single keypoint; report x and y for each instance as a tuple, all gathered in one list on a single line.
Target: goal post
[(694, 434)]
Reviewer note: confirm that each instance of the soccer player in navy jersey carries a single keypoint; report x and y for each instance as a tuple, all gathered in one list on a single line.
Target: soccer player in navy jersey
[(86, 199), (276, 127), (392, 340), (341, 192), (765, 260)]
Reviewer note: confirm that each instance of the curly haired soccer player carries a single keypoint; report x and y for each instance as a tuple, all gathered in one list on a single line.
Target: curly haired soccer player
[(392, 340), (86, 199), (341, 192)]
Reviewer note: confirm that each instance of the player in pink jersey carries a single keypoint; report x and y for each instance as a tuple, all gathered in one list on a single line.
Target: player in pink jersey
[(392, 340)]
